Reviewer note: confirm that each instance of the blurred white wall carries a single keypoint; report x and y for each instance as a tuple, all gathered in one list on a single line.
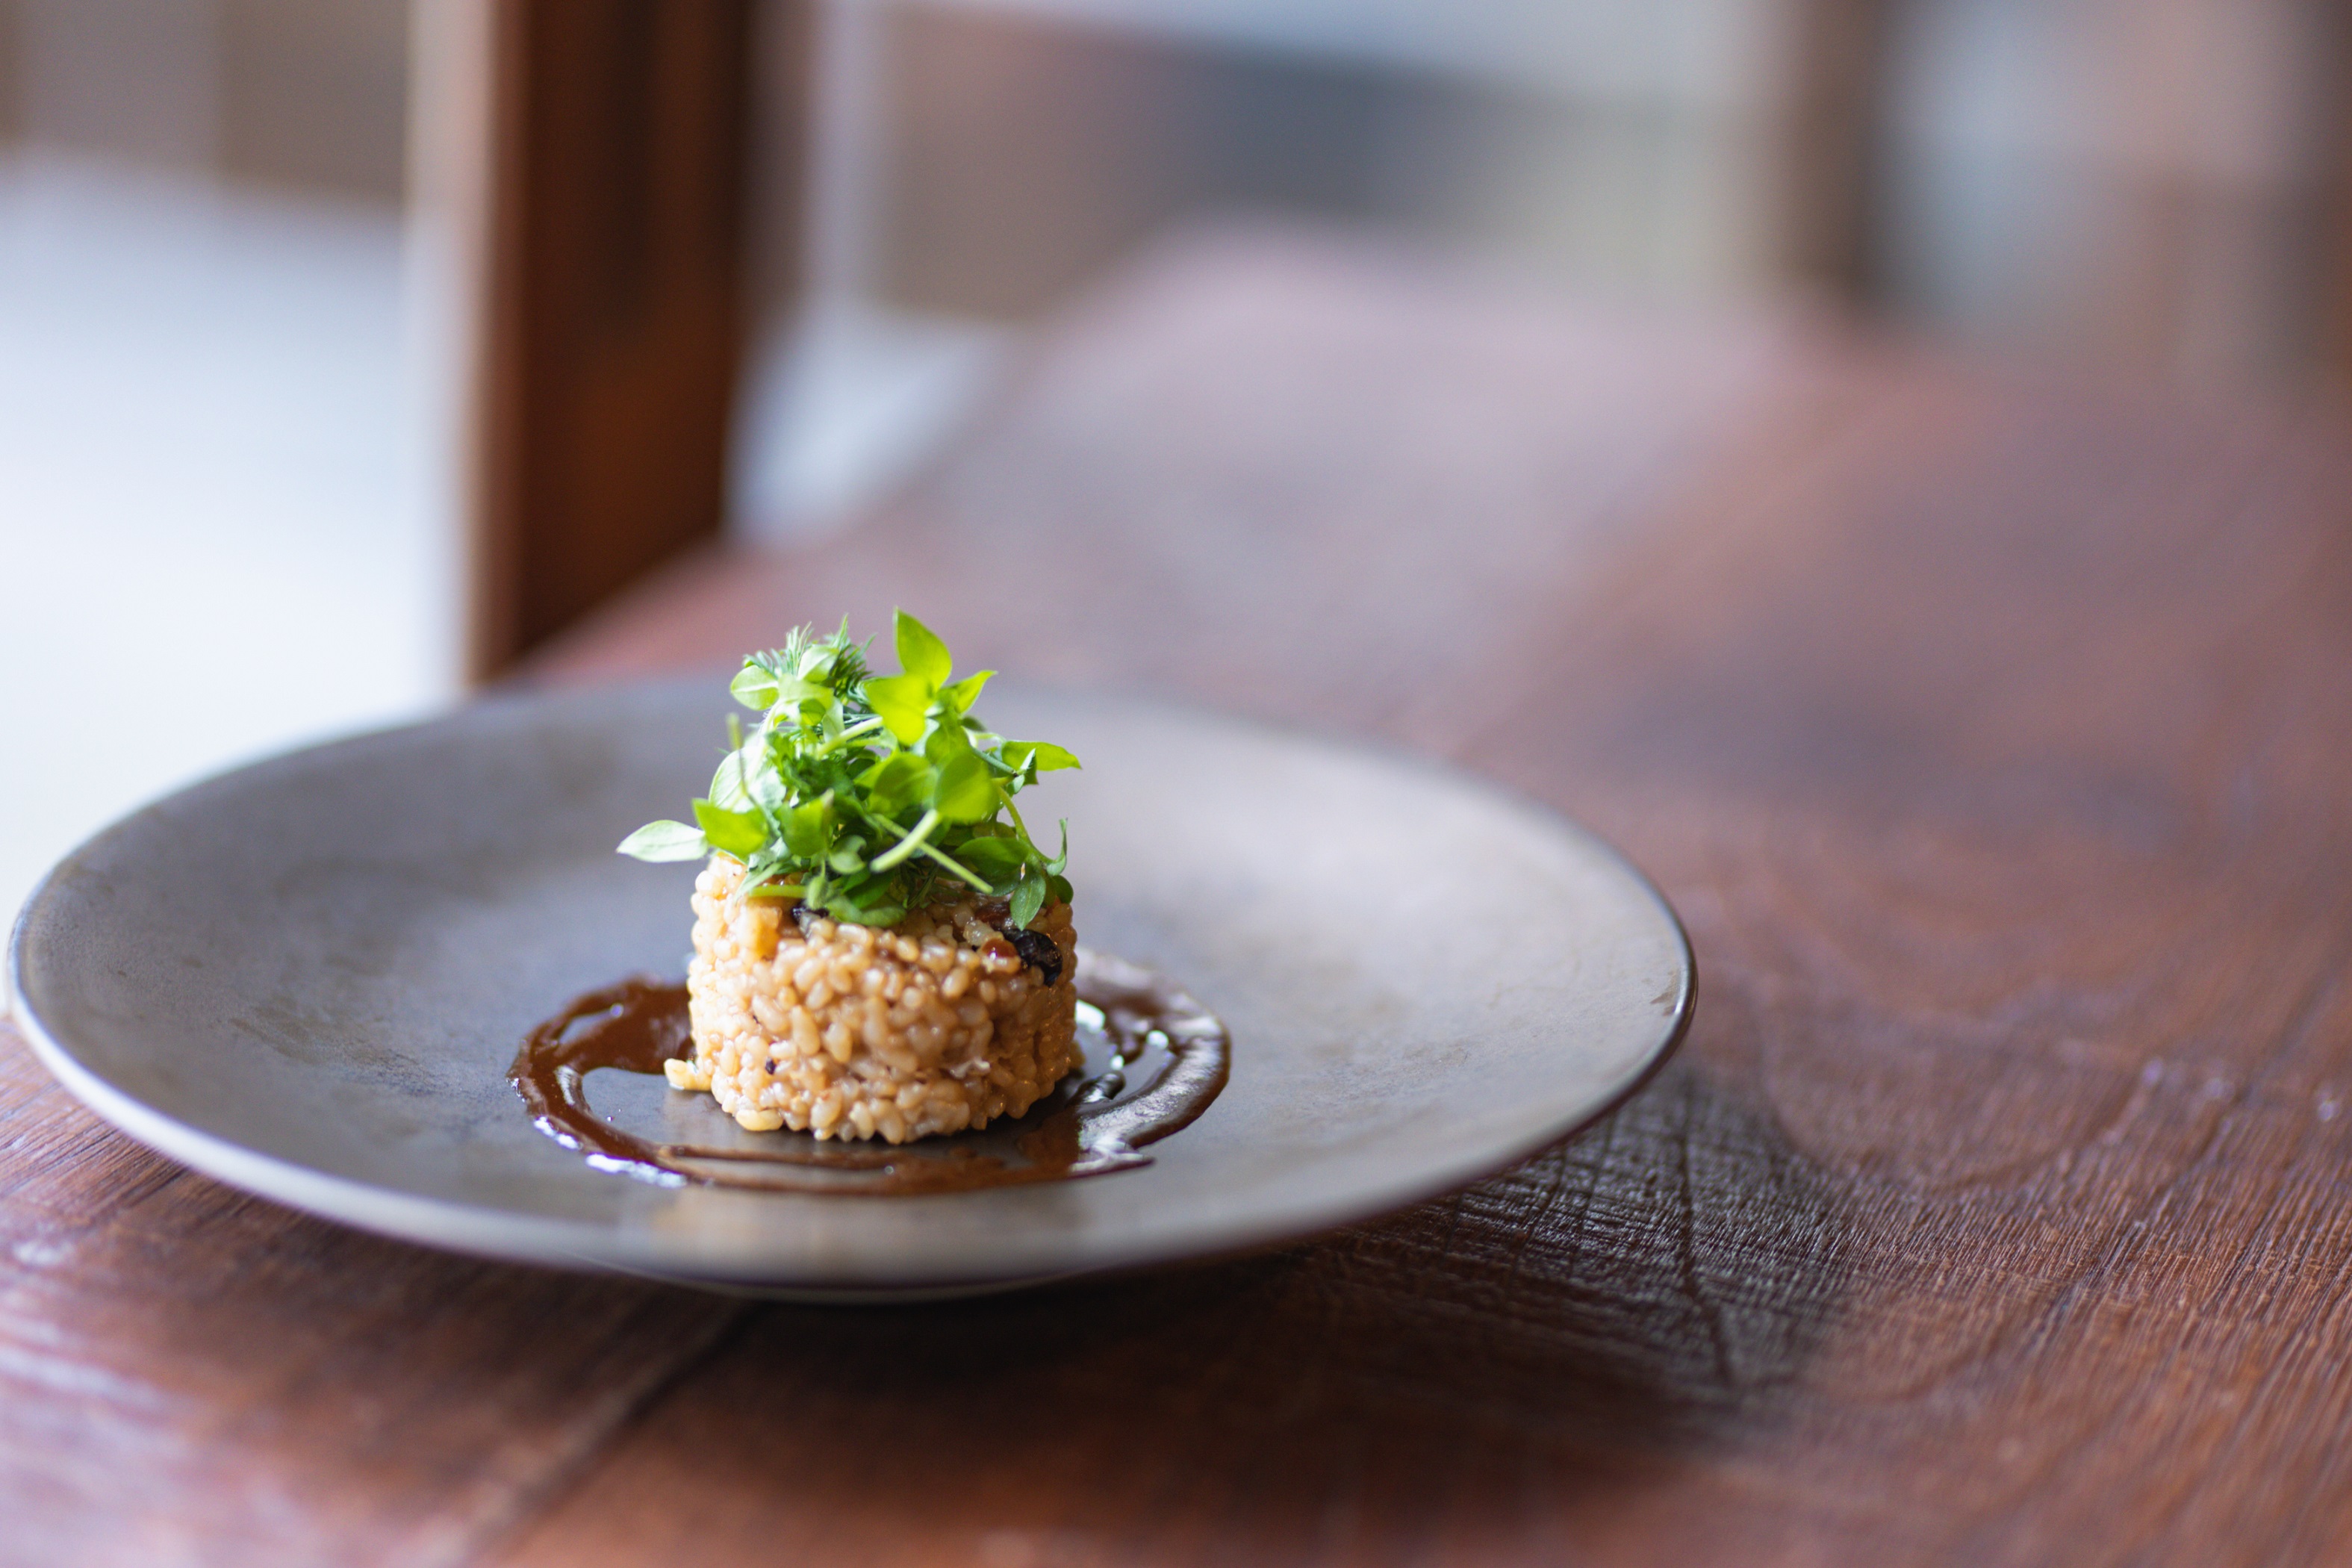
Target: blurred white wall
[(220, 532)]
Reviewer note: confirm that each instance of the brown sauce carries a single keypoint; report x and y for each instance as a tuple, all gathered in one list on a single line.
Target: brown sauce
[(1153, 1061)]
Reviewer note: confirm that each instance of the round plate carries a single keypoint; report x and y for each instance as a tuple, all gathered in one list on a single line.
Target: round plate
[(308, 978)]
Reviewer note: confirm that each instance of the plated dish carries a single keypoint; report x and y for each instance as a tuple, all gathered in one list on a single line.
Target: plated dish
[(311, 978), (881, 953)]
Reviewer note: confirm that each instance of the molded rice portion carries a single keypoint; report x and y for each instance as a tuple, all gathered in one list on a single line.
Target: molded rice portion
[(930, 1025)]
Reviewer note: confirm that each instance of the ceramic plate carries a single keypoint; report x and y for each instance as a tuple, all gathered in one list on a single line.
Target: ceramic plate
[(308, 978)]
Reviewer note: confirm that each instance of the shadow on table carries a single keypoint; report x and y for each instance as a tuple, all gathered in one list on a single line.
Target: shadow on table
[(1656, 1286)]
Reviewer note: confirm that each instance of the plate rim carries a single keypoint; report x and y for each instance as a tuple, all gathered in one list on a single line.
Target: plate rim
[(509, 1236)]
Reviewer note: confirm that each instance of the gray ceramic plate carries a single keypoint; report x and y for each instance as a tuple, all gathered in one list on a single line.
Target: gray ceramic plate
[(308, 979)]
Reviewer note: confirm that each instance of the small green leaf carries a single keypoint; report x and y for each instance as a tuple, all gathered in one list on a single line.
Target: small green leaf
[(660, 841), (903, 702), (739, 833), (868, 900), (763, 783), (993, 859), (898, 782), (998, 859), (1060, 889), (1027, 899), (1045, 755), (946, 743), (753, 687), (792, 690), (958, 699), (848, 857), (727, 784), (921, 654), (965, 793), (808, 827)]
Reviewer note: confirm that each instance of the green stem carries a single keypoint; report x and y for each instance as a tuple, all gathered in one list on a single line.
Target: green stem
[(907, 845), (864, 726), (959, 870), (1006, 796)]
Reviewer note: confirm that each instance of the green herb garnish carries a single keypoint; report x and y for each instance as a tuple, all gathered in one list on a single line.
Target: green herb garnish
[(869, 795)]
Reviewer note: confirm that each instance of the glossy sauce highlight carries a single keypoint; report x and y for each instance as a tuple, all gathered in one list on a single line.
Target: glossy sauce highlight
[(1154, 1060)]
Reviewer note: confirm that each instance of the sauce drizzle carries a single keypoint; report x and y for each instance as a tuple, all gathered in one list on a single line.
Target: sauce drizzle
[(1154, 1058)]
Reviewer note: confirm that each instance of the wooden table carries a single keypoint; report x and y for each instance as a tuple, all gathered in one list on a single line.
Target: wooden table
[(1989, 730)]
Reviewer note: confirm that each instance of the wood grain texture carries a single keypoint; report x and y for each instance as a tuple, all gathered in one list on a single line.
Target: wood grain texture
[(188, 1374), (1988, 732)]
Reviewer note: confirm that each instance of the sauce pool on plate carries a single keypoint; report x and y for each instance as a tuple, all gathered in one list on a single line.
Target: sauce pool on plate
[(1153, 1061)]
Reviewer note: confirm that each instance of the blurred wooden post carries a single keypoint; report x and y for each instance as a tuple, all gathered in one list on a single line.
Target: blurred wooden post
[(2329, 290), (608, 315), (1835, 130)]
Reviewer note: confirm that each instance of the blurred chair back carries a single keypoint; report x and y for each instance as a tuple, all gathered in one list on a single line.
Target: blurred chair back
[(610, 312)]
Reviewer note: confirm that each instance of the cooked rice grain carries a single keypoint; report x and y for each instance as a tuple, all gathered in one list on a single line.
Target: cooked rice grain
[(930, 1025)]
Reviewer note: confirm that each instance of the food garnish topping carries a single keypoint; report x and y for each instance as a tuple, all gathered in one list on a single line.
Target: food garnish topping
[(867, 796)]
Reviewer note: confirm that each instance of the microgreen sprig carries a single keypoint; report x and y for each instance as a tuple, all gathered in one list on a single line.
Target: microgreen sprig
[(867, 796)]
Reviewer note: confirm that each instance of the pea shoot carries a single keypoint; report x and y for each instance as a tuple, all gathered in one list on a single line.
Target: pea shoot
[(867, 796)]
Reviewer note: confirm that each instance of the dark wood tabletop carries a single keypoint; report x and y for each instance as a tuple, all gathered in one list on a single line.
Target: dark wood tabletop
[(1991, 730)]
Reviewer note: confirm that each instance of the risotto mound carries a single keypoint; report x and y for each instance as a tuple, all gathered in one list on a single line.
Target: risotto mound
[(934, 1025)]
